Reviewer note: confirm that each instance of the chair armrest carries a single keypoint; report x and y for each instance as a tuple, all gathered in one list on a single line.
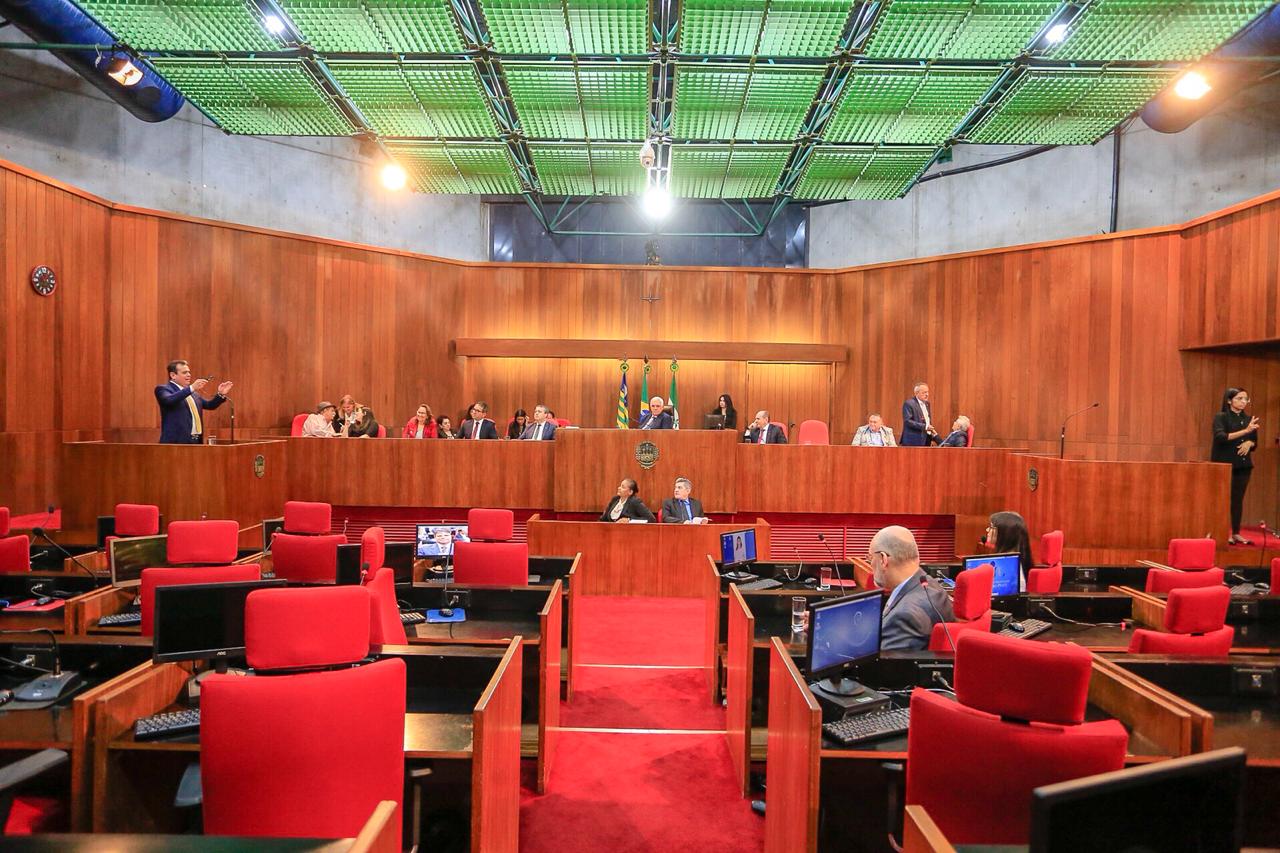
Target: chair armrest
[(190, 788), (25, 769)]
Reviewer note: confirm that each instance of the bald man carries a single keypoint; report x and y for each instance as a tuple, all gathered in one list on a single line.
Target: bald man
[(913, 607)]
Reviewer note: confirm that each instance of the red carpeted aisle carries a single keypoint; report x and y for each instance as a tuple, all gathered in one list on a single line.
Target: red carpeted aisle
[(641, 763)]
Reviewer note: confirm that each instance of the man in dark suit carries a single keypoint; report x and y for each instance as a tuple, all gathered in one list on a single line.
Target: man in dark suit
[(658, 417), (182, 407), (917, 419), (914, 605), (478, 425), (682, 508), (763, 432), (542, 428)]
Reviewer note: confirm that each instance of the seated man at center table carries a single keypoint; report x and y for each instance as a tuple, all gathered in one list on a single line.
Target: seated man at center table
[(683, 508)]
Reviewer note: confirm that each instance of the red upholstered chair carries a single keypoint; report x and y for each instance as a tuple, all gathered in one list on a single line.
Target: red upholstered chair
[(1194, 624), (4, 521), (15, 554), (489, 559), (1192, 555), (137, 520), (211, 543), (969, 439), (1047, 578), (306, 559), (1164, 580), (1275, 576), (490, 525), (385, 627), (562, 422), (813, 432), (314, 517), (373, 549), (382, 431), (154, 577), (780, 425), (295, 429), (972, 604), (341, 750), (1017, 725)]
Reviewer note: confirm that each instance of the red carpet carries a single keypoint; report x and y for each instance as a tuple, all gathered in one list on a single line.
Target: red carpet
[(1258, 539), (635, 790), (37, 519)]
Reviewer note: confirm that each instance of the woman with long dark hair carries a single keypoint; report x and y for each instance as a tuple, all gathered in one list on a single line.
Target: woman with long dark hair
[(724, 406), (1007, 532), (519, 421), (1235, 437)]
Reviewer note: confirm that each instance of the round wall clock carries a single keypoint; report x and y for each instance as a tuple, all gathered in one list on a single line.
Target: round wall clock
[(43, 280)]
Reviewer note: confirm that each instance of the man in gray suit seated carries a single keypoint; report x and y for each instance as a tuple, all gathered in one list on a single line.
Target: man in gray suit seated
[(913, 607), (874, 434)]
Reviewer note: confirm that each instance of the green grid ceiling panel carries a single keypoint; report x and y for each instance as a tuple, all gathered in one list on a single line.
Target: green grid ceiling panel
[(617, 169), (957, 29), (708, 99), (563, 169), (803, 27), (614, 99), (430, 168), (861, 173), (376, 26), (697, 171), (754, 171), (1156, 30), (777, 101), (790, 27), (417, 99), (1068, 107), (486, 167), (596, 26), (546, 99), (720, 27), (183, 24), (721, 171), (261, 97), (906, 107)]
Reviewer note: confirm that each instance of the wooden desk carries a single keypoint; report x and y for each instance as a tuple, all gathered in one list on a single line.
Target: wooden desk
[(187, 481), (638, 559), (18, 587), (471, 726)]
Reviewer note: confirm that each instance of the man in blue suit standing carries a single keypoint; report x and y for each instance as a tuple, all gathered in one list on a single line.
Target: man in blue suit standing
[(182, 407), (917, 419)]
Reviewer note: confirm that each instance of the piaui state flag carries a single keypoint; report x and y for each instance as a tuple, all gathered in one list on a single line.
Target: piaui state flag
[(624, 417)]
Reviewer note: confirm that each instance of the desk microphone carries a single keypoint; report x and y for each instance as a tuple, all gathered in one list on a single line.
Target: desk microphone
[(924, 582), (1062, 439), (835, 564), (233, 418), (48, 687), (40, 531)]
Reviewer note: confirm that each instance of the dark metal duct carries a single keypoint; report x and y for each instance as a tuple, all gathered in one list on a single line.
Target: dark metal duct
[(60, 22)]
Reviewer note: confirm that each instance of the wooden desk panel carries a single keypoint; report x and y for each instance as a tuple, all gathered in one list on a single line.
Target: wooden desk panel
[(408, 472), (638, 559), (590, 462), (186, 481)]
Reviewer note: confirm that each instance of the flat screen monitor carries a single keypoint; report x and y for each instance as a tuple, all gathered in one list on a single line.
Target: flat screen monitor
[(399, 556), (129, 556), (713, 421), (842, 631), (738, 547), (1194, 804), (436, 540), (202, 621), (1008, 571)]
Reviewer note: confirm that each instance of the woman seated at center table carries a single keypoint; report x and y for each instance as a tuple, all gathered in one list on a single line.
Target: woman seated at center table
[(626, 505)]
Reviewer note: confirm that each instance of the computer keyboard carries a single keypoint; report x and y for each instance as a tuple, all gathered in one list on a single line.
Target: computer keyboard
[(873, 725), (760, 583), (1244, 589), (412, 617), (117, 620), (167, 724), (1030, 628)]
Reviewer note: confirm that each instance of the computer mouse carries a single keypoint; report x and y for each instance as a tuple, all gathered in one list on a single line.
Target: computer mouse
[(446, 612), (1016, 627)]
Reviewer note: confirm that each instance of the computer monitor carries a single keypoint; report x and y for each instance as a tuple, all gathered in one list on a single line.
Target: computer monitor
[(738, 547), (201, 621), (1008, 570), (1194, 803), (842, 632), (436, 540), (713, 421), (399, 556), (127, 558)]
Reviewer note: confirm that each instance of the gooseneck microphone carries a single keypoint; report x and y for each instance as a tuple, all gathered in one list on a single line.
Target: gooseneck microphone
[(1062, 439), (835, 564), (924, 582), (43, 534)]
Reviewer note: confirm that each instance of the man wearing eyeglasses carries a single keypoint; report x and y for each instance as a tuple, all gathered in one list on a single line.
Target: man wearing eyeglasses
[(914, 605)]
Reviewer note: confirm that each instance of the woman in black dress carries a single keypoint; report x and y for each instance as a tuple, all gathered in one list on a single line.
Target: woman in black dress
[(1235, 437), (519, 421), (724, 406), (626, 505)]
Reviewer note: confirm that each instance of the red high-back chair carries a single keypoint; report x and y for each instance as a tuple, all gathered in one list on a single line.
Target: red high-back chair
[(813, 432), (972, 605), (4, 521), (295, 429), (489, 559), (308, 754), (373, 549), (306, 558), (208, 543), (137, 520), (1017, 725), (1047, 577), (1192, 555), (385, 627), (154, 577), (780, 425), (969, 436), (1163, 580), (1194, 624), (15, 554), (313, 517)]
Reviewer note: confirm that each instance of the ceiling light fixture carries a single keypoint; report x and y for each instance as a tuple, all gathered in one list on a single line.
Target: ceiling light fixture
[(656, 202), (1192, 86), (394, 177), (1057, 34), (123, 71), (274, 25)]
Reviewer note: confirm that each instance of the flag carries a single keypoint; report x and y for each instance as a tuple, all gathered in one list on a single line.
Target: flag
[(644, 392), (671, 398), (624, 416)]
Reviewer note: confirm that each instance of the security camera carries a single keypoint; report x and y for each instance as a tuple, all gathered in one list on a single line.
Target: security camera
[(647, 154)]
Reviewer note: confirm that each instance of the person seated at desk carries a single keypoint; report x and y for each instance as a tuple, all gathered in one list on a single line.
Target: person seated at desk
[(479, 425), (181, 405), (542, 428), (1007, 534), (364, 425), (519, 423), (421, 425), (914, 605), (874, 434), (319, 424), (657, 417), (959, 435), (346, 412), (626, 505), (682, 508), (762, 431), (444, 427), (724, 408)]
